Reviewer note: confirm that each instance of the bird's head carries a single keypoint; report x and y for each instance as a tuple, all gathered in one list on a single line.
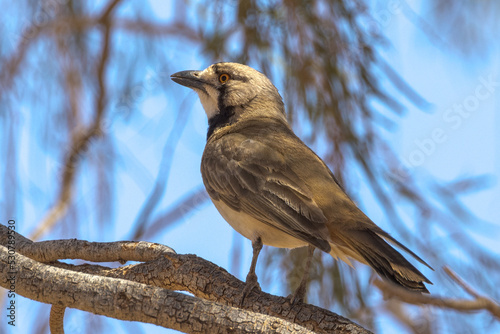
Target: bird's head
[(233, 90)]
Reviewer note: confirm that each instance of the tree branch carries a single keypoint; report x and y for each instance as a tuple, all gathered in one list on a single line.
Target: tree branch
[(127, 300), (56, 320), (480, 303), (139, 292)]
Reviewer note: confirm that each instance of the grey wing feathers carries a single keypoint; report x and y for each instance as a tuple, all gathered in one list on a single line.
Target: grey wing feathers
[(252, 177)]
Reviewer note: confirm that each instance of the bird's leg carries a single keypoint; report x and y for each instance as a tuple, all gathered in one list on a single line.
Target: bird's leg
[(251, 281), (300, 293)]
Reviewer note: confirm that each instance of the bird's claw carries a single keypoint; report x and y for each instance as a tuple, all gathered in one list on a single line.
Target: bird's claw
[(251, 283), (298, 296)]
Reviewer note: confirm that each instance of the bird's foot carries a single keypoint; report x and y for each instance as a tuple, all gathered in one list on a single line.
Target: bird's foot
[(250, 284), (298, 296)]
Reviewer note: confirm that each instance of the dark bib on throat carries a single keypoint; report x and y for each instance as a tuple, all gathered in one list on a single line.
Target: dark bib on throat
[(223, 118)]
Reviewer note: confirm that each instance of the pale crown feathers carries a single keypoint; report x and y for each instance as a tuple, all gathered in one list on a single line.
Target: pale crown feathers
[(246, 92)]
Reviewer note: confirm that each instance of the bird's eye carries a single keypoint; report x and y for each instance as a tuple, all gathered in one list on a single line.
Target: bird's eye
[(223, 78)]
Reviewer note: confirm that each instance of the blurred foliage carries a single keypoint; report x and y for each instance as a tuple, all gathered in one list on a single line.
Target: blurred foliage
[(324, 57), (465, 26)]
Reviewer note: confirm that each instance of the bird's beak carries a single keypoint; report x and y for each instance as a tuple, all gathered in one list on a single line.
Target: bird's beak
[(189, 79)]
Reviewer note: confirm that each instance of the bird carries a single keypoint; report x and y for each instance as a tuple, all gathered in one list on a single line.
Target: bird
[(273, 189)]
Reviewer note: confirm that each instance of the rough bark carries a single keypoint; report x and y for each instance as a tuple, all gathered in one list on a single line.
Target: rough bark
[(143, 292)]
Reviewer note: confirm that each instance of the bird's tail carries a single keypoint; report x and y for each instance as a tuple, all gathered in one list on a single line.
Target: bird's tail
[(371, 248)]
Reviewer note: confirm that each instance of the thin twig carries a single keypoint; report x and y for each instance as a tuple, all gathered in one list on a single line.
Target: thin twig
[(164, 171), (480, 303), (461, 282)]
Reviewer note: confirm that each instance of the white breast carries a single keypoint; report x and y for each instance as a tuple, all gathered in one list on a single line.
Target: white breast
[(251, 228)]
